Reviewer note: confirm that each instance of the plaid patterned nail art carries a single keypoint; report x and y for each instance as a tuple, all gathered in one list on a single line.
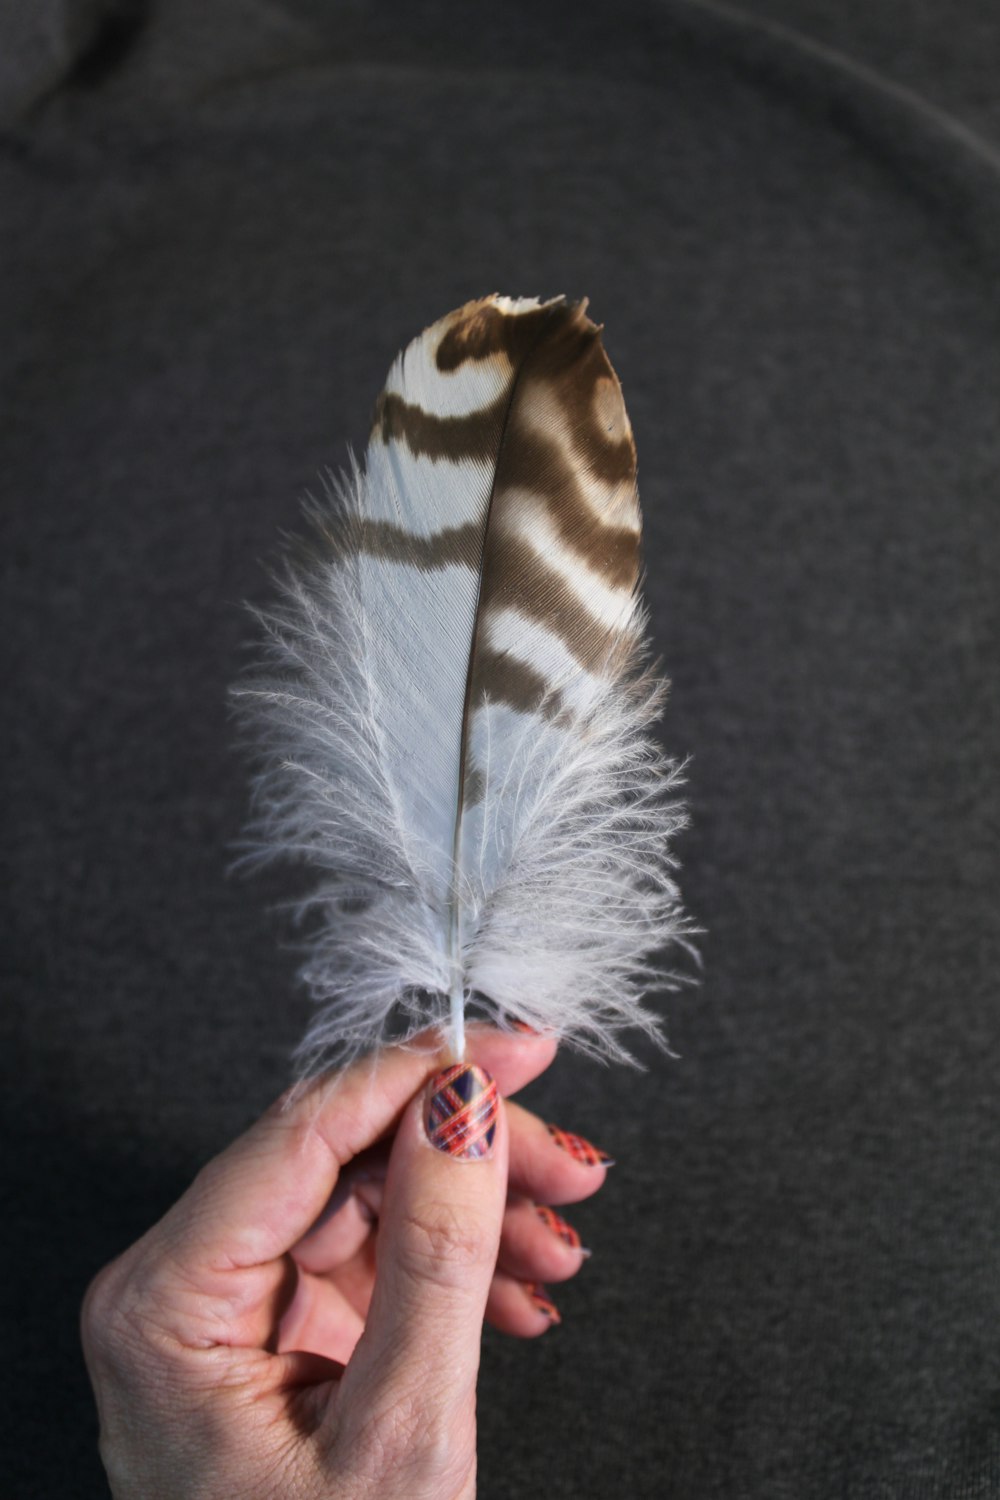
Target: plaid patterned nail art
[(543, 1301), (462, 1114), (559, 1226), (579, 1149)]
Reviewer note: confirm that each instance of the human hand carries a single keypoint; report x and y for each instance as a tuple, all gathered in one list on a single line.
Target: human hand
[(245, 1346)]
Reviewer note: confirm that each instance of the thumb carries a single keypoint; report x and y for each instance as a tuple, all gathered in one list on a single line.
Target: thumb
[(438, 1238)]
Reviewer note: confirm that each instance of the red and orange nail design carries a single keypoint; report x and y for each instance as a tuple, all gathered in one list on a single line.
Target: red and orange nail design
[(543, 1301), (579, 1149), (560, 1226), (462, 1113)]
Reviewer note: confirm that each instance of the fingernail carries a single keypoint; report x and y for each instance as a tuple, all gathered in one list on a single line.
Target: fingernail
[(561, 1227), (579, 1149), (462, 1113), (543, 1301)]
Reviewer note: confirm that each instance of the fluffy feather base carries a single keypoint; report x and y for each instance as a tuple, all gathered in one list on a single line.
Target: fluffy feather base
[(563, 940)]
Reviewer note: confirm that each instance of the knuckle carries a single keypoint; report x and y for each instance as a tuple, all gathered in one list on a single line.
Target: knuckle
[(101, 1303), (122, 1320), (411, 1447), (443, 1453), (109, 1331), (438, 1240)]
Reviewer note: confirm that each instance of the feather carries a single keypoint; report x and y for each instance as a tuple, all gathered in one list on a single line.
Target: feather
[(452, 708)]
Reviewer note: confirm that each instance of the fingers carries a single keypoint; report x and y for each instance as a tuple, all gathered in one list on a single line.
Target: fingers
[(213, 1271), (541, 1174), (259, 1197), (541, 1166), (347, 1221), (321, 1319), (537, 1245), (438, 1238), (523, 1308)]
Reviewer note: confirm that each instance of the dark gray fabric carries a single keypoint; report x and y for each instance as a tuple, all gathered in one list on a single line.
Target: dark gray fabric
[(219, 224)]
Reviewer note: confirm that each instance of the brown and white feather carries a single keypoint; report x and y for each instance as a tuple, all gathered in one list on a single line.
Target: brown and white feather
[(452, 714)]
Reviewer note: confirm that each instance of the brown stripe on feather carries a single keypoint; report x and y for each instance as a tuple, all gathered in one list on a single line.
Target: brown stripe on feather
[(536, 463), (442, 549), (481, 330), (512, 682), (503, 678), (473, 435), (569, 377), (580, 473), (571, 364), (478, 331), (562, 356), (526, 583)]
